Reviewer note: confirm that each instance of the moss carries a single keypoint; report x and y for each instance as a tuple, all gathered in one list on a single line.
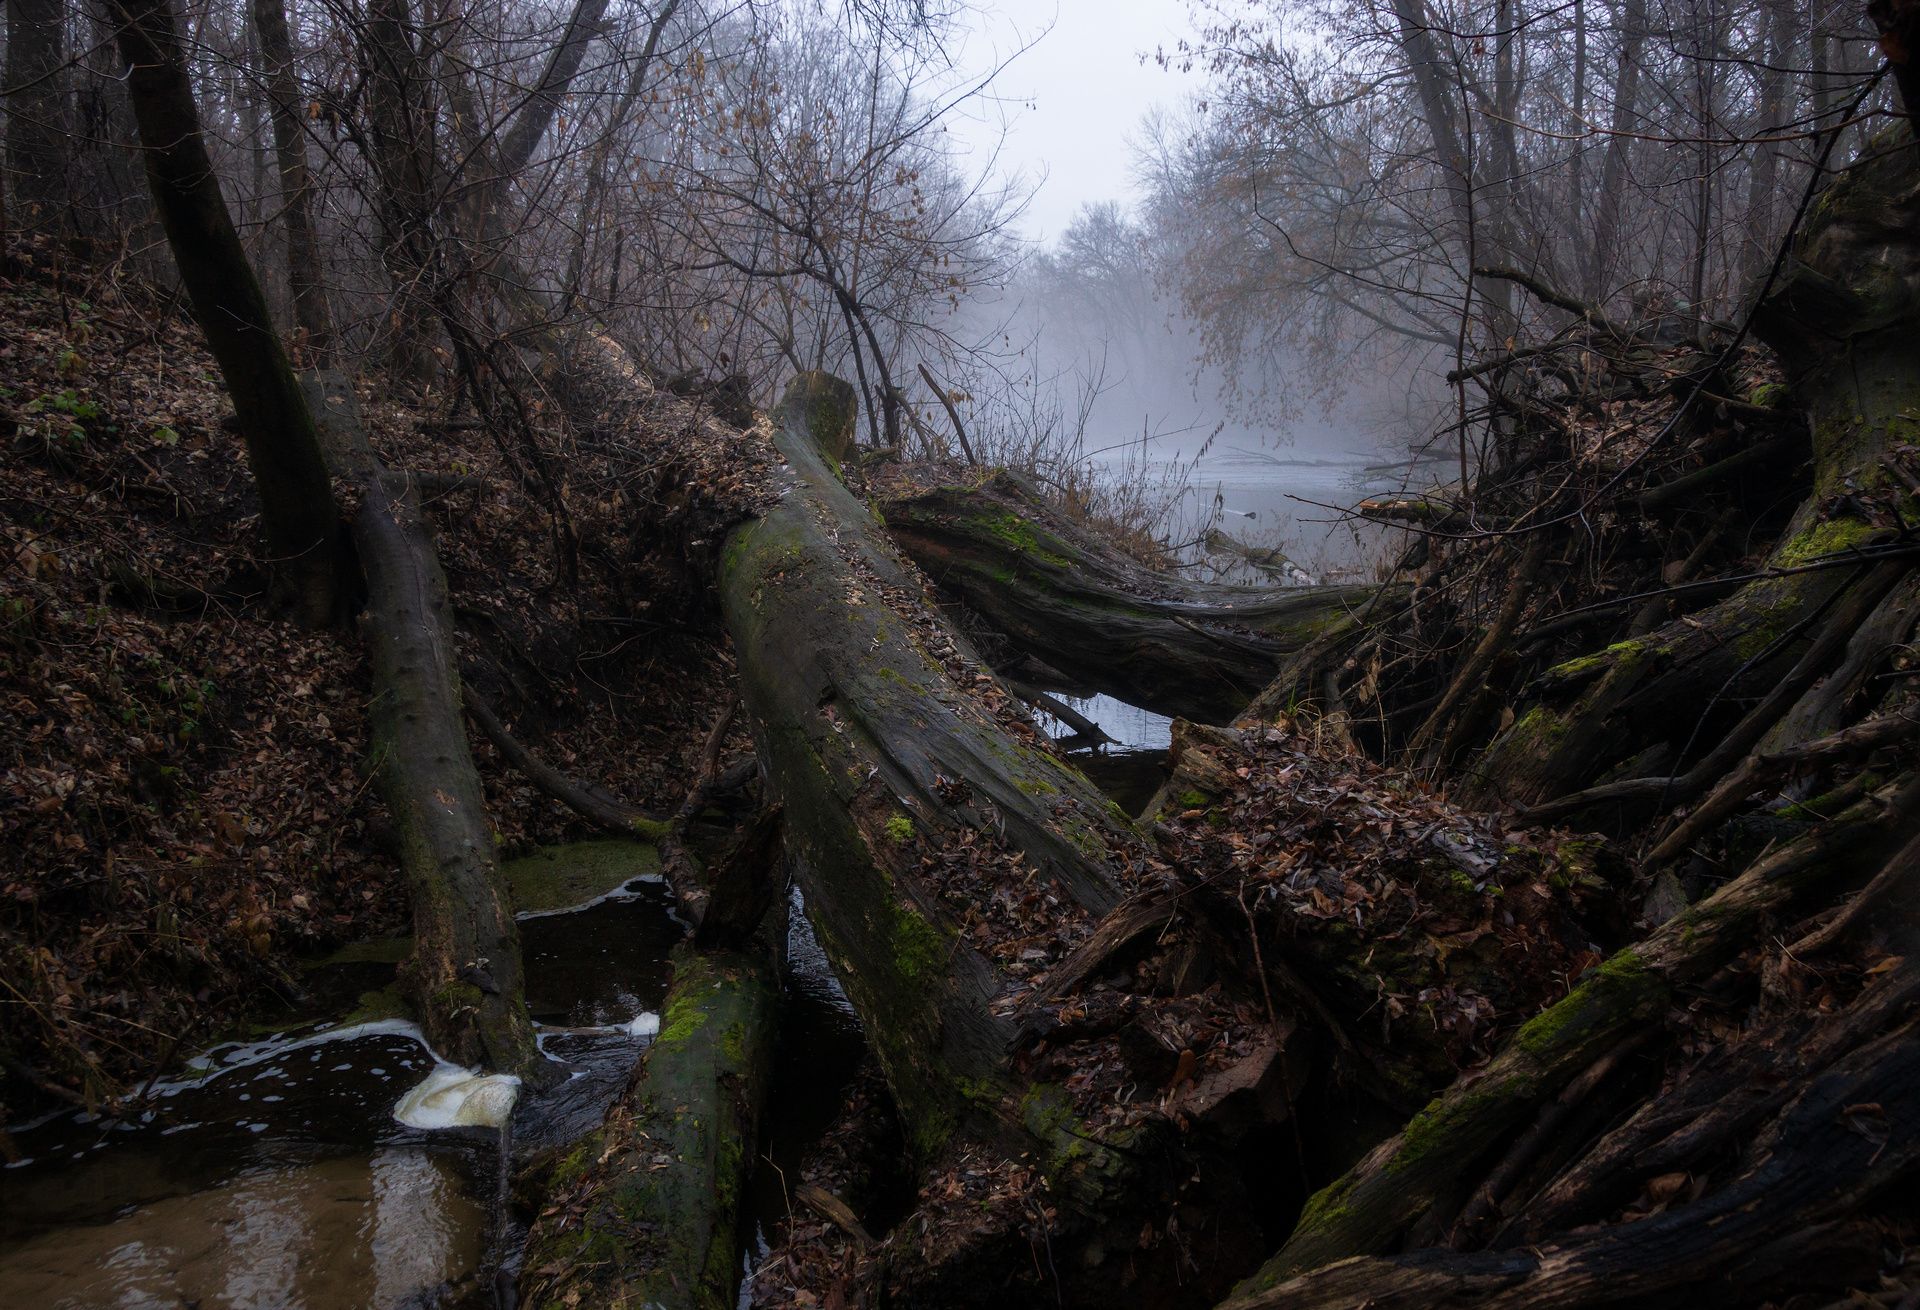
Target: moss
[(1442, 1123), (1194, 800), (1617, 989), (1540, 725), (899, 829), (381, 950), (1624, 653), (1768, 395), (386, 1003), (684, 1017), (555, 877), (1021, 536), (456, 996), (1829, 537), (919, 949)]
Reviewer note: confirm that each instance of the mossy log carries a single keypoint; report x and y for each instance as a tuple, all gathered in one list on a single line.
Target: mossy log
[(645, 1210), (1783, 1224), (1843, 321), (1194, 650), (464, 977), (1416, 1181), (948, 860), (859, 720)]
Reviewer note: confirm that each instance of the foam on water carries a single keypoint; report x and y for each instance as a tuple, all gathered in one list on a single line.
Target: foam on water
[(452, 1097), (626, 891)]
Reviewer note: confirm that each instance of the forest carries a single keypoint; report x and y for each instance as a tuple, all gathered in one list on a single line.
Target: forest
[(616, 691)]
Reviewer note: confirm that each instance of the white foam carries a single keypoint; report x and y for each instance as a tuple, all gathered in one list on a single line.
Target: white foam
[(626, 891), (452, 1097), (247, 1055), (644, 1024)]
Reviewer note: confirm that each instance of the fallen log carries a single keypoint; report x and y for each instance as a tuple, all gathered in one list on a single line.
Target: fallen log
[(948, 861), (464, 976), (1195, 650), (645, 1210), (1782, 1225), (1418, 1179), (605, 812)]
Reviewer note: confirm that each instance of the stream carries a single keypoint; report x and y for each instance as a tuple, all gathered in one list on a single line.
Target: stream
[(272, 1171)]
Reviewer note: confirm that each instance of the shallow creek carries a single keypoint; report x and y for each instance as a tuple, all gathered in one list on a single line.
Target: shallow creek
[(272, 1171)]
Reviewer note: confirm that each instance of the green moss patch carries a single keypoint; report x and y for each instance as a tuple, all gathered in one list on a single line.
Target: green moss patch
[(555, 877)]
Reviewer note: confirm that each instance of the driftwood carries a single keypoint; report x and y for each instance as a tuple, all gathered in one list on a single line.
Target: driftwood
[(1197, 650)]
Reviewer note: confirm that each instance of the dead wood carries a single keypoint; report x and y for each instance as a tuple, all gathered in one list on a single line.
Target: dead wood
[(1061, 595)]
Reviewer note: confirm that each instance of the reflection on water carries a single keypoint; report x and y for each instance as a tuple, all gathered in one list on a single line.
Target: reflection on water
[(1130, 727), (1132, 766), (382, 1230), (274, 1173)]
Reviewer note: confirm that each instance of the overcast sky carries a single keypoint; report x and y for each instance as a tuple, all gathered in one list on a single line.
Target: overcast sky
[(1073, 102)]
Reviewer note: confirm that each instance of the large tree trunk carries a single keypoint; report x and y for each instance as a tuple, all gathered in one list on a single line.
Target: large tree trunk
[(297, 511), (645, 1210), (304, 271), (1195, 650), (949, 862), (464, 975)]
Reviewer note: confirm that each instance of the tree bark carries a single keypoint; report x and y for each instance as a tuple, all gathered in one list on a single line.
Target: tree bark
[(645, 1210), (1195, 650), (948, 863), (1418, 1178), (1843, 320), (297, 511), (1781, 1225), (465, 974), (305, 280)]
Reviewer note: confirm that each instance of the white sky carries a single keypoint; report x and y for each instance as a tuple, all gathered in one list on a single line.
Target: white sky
[(1072, 104)]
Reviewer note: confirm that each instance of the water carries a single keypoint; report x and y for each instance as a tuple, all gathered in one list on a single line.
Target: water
[(1133, 764), (276, 1174), (1281, 501), (273, 1173)]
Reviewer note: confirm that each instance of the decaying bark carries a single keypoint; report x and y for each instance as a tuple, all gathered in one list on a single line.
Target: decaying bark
[(1200, 651), (947, 860), (465, 974), (1782, 1225), (1417, 1181), (1843, 321), (644, 1211)]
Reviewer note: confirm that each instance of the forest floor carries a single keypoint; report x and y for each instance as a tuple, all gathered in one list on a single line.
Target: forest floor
[(185, 809)]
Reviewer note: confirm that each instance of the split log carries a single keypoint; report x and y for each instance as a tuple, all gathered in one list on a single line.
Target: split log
[(1417, 1180), (464, 976), (645, 1210), (1843, 320), (1780, 1226), (949, 860), (1198, 651)]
